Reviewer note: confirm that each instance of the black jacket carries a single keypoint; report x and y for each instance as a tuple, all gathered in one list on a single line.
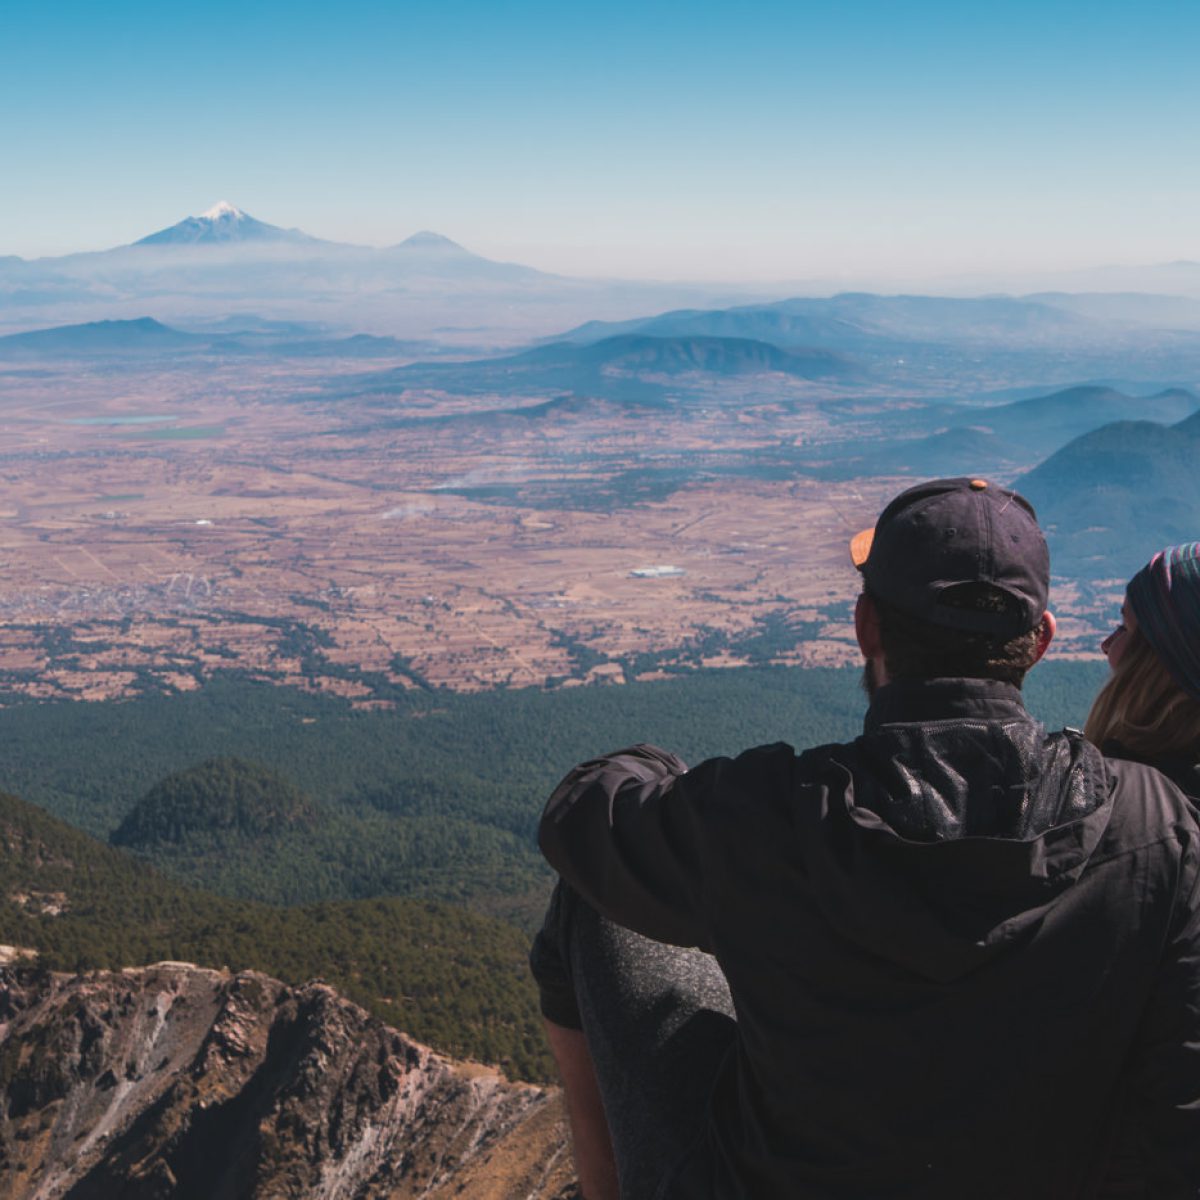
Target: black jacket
[(1185, 774), (1181, 769), (964, 953)]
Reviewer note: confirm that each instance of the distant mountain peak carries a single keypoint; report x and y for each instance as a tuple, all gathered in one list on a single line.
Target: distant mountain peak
[(426, 239), (223, 223)]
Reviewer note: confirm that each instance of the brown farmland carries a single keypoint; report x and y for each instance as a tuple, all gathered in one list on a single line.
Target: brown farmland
[(160, 523)]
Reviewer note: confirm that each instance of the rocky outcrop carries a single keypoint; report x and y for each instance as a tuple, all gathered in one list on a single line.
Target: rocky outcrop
[(174, 1081)]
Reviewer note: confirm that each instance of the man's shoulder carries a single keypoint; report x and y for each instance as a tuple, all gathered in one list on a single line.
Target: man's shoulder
[(752, 769), (776, 758), (1145, 783), (768, 779), (1147, 806)]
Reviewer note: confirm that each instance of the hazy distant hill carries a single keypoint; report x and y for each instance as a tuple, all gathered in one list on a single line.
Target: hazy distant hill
[(1144, 308), (963, 451), (608, 368), (145, 337), (434, 254), (676, 355), (853, 320), (1044, 423), (1111, 498), (778, 324), (914, 340), (1178, 278), (995, 441)]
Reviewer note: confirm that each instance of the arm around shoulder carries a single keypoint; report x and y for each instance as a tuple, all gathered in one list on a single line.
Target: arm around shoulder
[(622, 830)]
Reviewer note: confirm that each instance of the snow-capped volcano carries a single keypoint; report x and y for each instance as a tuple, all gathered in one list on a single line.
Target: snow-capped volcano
[(222, 210), (222, 223)]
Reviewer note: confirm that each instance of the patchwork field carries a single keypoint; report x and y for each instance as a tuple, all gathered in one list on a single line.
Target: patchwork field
[(159, 523)]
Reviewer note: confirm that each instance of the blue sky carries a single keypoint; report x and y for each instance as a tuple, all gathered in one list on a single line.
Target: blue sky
[(761, 140)]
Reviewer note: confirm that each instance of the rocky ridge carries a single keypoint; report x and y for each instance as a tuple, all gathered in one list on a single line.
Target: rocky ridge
[(176, 1081)]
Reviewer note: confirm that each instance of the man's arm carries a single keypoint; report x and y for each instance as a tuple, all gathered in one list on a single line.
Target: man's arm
[(590, 1138), (645, 841), (622, 830)]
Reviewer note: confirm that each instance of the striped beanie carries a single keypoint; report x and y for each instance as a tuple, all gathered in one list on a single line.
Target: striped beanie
[(1165, 597)]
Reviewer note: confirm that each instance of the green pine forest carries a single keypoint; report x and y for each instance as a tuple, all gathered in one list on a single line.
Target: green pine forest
[(390, 852)]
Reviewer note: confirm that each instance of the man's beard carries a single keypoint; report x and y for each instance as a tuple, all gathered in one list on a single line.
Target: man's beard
[(870, 684)]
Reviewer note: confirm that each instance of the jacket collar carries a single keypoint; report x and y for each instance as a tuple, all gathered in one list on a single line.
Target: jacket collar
[(919, 701)]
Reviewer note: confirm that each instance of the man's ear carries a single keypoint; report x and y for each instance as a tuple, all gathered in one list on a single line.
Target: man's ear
[(1046, 632), (866, 627)]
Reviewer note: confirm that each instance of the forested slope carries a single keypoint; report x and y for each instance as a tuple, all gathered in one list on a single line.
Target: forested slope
[(450, 977), (438, 798)]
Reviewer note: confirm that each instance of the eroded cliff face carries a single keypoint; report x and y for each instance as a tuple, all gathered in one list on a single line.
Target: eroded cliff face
[(174, 1081)]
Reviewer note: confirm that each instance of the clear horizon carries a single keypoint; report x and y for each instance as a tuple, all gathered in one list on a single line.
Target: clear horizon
[(654, 141)]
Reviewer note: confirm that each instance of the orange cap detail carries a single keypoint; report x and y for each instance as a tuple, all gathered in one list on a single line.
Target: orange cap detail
[(860, 546)]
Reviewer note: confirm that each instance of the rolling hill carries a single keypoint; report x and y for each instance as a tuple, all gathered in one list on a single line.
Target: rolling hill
[(140, 336), (145, 338), (915, 339), (950, 439), (961, 451), (1044, 423), (854, 321), (629, 366), (1113, 497), (221, 796)]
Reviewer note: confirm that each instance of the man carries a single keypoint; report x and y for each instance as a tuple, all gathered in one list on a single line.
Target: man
[(962, 954)]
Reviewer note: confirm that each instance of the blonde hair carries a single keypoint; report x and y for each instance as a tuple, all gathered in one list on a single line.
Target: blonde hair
[(1143, 708)]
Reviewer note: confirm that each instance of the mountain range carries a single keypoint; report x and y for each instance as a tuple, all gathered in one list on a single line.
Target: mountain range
[(428, 287), (1042, 424), (997, 440), (226, 261)]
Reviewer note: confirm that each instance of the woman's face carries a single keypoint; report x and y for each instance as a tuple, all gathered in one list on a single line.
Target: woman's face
[(1114, 645)]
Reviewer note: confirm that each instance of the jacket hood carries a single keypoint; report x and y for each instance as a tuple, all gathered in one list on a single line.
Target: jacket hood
[(951, 827)]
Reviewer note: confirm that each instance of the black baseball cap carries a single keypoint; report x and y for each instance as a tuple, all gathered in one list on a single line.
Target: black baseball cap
[(939, 535)]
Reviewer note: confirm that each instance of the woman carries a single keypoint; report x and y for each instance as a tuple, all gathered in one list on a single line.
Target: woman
[(1149, 709)]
